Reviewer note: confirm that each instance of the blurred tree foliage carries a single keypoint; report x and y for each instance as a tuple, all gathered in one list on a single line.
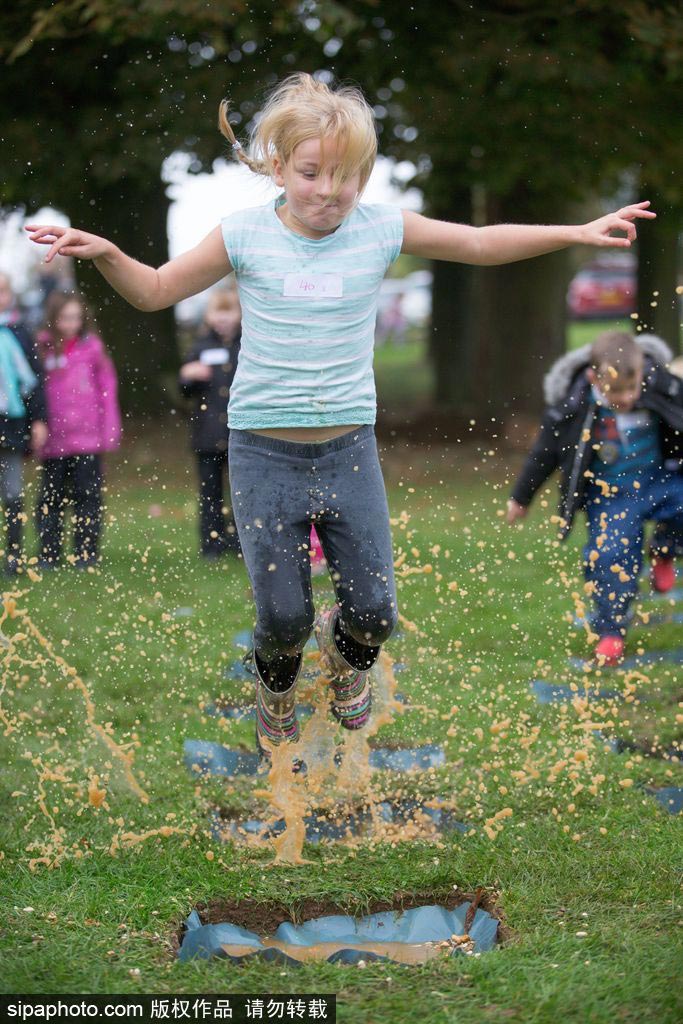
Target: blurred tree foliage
[(520, 110), (514, 110), (100, 93)]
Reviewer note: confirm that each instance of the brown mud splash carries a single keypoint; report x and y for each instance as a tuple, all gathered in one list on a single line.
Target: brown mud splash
[(10, 611), (127, 840), (337, 773), (28, 660)]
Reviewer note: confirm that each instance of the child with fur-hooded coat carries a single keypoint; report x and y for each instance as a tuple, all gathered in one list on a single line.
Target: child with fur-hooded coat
[(573, 438)]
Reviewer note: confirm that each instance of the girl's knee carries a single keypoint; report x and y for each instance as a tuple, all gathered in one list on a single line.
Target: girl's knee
[(371, 626), (283, 632)]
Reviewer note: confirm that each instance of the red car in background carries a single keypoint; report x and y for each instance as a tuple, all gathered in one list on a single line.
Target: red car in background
[(604, 289)]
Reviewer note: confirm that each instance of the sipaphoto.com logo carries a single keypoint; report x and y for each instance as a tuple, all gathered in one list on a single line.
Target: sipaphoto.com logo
[(74, 1008)]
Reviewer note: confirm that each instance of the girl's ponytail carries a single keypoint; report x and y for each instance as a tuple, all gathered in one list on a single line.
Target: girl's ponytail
[(258, 167)]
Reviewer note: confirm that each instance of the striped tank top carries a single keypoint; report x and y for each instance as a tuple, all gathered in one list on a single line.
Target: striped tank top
[(308, 317)]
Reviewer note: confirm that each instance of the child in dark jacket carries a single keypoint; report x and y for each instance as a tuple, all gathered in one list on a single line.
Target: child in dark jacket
[(83, 422), (206, 377), (614, 428), (22, 408)]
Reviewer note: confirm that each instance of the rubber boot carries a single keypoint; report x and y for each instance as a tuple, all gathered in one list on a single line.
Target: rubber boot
[(352, 694), (276, 720)]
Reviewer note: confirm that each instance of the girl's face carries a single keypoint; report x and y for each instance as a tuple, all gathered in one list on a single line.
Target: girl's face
[(69, 320), (226, 319), (307, 178)]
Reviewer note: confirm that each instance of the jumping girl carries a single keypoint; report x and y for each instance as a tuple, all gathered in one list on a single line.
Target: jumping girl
[(302, 406)]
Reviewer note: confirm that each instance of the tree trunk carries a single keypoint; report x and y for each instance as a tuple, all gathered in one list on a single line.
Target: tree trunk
[(143, 345), (521, 331), (495, 330), (659, 259), (450, 338)]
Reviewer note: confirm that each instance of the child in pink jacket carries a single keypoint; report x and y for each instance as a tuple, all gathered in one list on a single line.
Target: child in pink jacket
[(83, 421)]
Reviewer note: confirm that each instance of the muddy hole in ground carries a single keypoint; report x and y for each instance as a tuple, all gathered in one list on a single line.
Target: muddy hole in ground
[(410, 929)]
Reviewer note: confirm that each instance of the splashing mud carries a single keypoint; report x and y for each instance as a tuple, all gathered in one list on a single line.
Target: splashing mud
[(503, 754), (30, 667), (337, 773)]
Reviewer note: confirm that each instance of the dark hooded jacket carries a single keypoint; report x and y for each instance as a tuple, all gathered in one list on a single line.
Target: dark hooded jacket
[(566, 438), (209, 417)]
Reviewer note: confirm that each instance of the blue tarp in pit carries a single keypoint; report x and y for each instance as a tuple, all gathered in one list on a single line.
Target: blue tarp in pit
[(654, 619), (671, 798), (620, 745), (412, 927), (557, 693), (215, 759), (402, 759), (672, 595), (321, 827)]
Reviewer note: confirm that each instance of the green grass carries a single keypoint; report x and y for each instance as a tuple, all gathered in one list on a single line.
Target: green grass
[(405, 378), (582, 332), (579, 853)]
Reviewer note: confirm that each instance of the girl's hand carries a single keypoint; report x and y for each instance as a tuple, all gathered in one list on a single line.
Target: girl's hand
[(68, 242), (39, 434), (515, 511), (598, 232), (195, 371)]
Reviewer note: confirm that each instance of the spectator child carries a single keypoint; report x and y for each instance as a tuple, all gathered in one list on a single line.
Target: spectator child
[(22, 408), (614, 418), (663, 571), (83, 421), (206, 377)]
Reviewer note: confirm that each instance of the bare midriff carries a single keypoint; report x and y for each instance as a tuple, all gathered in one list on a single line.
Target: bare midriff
[(312, 435)]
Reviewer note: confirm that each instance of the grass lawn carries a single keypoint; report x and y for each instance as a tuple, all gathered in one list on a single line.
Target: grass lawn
[(404, 374), (405, 377), (584, 865)]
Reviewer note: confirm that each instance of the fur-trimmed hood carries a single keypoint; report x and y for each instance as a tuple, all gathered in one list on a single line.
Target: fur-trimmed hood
[(561, 374)]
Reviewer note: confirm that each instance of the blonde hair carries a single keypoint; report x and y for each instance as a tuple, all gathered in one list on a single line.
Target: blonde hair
[(616, 353), (222, 298), (302, 108)]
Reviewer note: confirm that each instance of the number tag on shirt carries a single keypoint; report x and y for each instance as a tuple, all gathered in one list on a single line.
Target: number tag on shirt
[(214, 356), (313, 286)]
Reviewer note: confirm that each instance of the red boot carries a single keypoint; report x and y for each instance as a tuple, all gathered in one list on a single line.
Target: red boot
[(609, 651), (662, 575)]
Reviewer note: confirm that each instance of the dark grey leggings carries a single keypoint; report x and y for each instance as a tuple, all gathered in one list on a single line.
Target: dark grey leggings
[(278, 489)]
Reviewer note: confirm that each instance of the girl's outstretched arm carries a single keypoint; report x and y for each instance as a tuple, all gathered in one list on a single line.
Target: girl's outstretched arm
[(506, 243), (143, 286)]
